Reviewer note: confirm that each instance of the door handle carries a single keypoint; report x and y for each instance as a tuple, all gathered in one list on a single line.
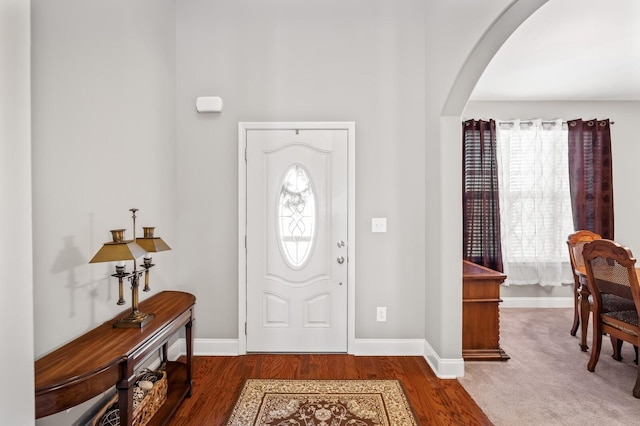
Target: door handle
[(340, 260), (340, 244)]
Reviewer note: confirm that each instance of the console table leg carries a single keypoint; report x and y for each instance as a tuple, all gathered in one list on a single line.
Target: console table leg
[(189, 339), (165, 353), (125, 396)]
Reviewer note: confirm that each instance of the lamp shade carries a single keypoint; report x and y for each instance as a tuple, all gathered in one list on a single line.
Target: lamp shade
[(150, 243), (118, 249)]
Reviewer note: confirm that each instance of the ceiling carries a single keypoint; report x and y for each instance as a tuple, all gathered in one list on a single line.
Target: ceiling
[(581, 50)]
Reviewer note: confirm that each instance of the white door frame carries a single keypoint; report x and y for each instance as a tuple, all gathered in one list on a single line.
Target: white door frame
[(350, 127)]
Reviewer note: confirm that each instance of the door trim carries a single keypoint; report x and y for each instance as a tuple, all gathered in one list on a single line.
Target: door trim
[(243, 127)]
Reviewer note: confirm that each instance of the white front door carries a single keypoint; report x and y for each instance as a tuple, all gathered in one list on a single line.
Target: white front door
[(296, 240)]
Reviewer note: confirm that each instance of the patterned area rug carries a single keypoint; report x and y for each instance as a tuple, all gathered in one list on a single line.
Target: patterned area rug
[(322, 403)]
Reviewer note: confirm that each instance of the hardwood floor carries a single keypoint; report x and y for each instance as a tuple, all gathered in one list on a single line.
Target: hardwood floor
[(217, 382)]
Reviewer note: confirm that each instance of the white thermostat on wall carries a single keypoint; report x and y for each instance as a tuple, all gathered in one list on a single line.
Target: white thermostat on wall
[(209, 104)]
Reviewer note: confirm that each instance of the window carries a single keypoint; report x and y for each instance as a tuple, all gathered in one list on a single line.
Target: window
[(480, 204), (296, 216), (535, 202)]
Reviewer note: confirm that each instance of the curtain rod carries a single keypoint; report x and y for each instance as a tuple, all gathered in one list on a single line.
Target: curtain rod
[(543, 122)]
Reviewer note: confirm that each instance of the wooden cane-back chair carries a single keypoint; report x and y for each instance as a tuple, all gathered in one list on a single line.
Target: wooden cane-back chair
[(576, 242), (582, 308), (611, 269)]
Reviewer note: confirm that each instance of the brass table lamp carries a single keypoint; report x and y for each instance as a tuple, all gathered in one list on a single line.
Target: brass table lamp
[(120, 250)]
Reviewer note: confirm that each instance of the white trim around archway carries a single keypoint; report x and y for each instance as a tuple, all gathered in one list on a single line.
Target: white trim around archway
[(447, 263)]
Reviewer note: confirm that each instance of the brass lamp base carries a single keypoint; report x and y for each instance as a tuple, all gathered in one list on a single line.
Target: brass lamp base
[(134, 320)]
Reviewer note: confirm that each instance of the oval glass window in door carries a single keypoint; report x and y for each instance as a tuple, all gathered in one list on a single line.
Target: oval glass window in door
[(296, 216)]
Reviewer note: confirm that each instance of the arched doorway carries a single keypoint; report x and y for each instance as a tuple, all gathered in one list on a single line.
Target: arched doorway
[(446, 329)]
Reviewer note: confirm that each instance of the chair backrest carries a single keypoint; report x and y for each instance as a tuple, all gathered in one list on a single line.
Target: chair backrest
[(576, 242), (610, 269)]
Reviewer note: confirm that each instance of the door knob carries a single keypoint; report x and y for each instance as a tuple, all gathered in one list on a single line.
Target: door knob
[(340, 244), (340, 260)]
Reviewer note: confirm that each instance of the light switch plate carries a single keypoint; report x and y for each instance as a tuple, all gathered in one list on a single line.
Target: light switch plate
[(379, 224)]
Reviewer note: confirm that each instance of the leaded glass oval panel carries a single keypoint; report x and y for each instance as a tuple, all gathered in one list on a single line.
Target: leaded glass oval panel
[(296, 216)]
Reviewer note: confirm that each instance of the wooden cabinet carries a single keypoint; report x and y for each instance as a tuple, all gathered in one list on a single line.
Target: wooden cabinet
[(106, 356), (481, 313)]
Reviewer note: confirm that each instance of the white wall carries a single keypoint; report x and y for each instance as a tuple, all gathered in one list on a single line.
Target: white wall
[(114, 127), (103, 110), (16, 290), (103, 142), (625, 149), (359, 61)]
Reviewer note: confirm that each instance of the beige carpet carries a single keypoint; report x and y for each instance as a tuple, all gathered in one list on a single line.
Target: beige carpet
[(546, 381), (322, 403)]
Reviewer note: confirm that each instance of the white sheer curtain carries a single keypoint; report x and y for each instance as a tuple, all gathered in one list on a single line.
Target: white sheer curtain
[(535, 205)]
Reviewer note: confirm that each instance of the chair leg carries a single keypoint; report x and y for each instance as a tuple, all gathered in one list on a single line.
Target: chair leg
[(617, 348), (576, 310), (636, 387), (585, 311), (597, 345)]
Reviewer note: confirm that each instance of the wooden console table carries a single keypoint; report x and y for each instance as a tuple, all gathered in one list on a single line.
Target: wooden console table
[(481, 314), (106, 356)]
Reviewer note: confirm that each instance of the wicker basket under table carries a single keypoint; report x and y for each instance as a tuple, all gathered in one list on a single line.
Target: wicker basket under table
[(145, 410)]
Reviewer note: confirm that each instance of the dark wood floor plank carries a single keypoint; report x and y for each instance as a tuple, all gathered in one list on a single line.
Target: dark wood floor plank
[(219, 380)]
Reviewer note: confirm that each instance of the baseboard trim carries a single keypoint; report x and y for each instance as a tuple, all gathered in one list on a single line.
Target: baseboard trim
[(442, 367), (213, 347), (537, 302), (387, 347), (177, 349), (379, 347)]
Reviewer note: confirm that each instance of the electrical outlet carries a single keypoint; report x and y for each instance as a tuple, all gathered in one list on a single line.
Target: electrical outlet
[(381, 314), (379, 224)]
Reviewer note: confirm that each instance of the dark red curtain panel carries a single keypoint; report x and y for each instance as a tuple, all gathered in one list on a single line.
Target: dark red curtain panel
[(480, 204), (591, 176)]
